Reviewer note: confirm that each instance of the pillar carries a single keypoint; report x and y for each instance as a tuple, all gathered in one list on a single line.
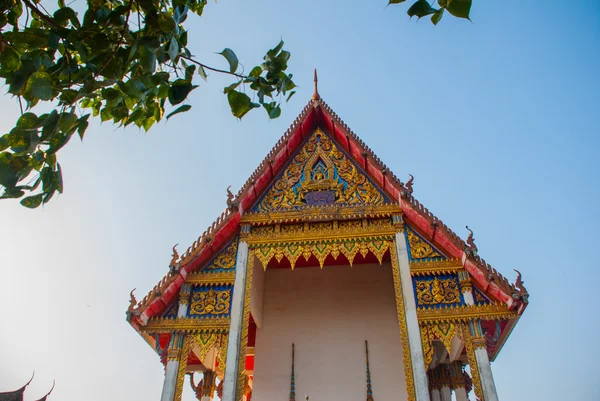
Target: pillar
[(410, 311), (232, 369), (458, 381), (481, 370), (208, 385), (485, 373), (445, 393), (172, 368), (184, 300), (434, 385), (445, 382)]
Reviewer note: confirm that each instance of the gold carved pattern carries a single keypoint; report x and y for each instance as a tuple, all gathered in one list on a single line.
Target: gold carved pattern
[(445, 332), (241, 380), (222, 355), (206, 341), (420, 249), (321, 250), (226, 259), (437, 291), (408, 372), (427, 343), (183, 357), (432, 267), (320, 166), (470, 348), (322, 213), (465, 313), (211, 278), (210, 302), (187, 325), (331, 230)]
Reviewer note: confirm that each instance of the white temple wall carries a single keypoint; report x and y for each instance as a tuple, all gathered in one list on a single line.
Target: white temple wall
[(329, 314)]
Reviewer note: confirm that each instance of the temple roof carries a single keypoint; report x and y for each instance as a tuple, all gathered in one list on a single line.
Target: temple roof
[(317, 114)]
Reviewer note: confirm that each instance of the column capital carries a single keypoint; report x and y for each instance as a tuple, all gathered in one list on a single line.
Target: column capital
[(398, 222), (245, 229)]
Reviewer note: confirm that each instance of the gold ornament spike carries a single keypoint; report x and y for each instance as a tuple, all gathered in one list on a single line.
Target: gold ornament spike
[(369, 388), (316, 95), (293, 379)]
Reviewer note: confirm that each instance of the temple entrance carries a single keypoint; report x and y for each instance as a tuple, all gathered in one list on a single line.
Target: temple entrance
[(328, 313)]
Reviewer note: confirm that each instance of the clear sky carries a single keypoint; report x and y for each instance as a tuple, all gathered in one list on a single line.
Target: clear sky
[(496, 119)]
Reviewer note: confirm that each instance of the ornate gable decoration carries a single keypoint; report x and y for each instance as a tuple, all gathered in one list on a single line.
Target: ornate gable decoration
[(320, 174), (420, 249)]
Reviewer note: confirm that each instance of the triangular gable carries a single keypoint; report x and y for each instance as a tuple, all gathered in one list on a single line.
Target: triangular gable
[(420, 249), (258, 187), (319, 174)]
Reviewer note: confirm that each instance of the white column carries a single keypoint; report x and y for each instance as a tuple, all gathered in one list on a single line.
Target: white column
[(460, 394), (410, 310), (468, 296), (446, 393), (485, 374), (168, 393), (235, 325), (435, 395)]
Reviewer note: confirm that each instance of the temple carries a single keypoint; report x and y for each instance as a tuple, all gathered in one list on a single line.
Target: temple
[(325, 279)]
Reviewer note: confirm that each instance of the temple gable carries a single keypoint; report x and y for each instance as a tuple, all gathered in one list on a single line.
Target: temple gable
[(320, 174)]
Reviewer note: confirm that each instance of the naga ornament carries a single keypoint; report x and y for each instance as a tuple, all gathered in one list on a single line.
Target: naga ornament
[(472, 248), (409, 185)]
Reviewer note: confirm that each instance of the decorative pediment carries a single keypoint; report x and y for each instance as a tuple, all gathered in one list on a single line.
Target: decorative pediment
[(320, 174), (420, 249)]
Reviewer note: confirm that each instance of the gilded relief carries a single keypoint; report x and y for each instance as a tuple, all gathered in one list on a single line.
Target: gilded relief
[(419, 248), (320, 175), (210, 302), (437, 291)]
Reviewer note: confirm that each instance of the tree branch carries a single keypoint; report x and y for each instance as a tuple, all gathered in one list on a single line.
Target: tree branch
[(213, 69), (40, 14)]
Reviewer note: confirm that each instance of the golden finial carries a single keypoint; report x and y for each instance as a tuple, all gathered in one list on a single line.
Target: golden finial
[(316, 94)]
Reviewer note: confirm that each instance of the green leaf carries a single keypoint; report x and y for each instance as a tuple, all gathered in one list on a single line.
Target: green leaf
[(290, 95), (396, 2), (420, 9), (180, 109), (201, 72), (147, 59), (437, 16), (39, 85), (179, 91), (32, 201), (173, 49), (10, 60), (27, 121), (231, 59), (231, 87), (67, 121), (4, 143), (273, 52), (149, 123), (459, 8), (240, 103), (57, 179), (256, 71)]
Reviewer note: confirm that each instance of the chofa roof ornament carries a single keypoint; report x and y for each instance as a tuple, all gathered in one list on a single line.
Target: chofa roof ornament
[(471, 247)]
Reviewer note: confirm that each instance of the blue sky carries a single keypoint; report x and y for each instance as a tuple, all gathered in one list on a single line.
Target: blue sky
[(496, 119)]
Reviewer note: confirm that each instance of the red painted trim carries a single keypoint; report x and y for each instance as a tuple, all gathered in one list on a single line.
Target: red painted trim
[(315, 116)]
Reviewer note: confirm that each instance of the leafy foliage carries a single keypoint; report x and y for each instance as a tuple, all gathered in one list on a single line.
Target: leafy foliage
[(123, 61), (422, 8)]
